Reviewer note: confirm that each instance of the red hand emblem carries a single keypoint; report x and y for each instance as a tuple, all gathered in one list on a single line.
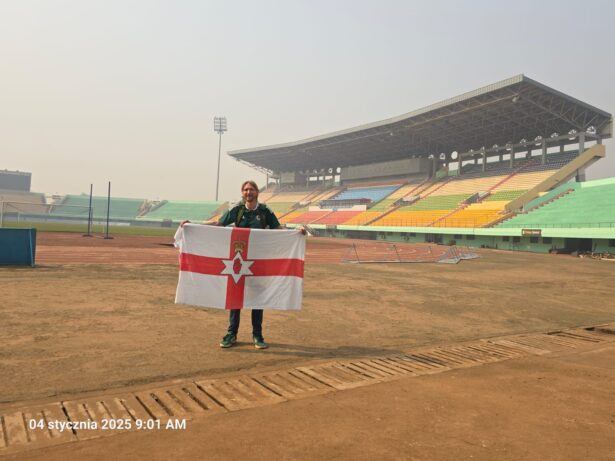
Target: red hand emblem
[(237, 266)]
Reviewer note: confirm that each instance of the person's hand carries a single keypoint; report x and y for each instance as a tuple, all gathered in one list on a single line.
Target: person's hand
[(183, 222)]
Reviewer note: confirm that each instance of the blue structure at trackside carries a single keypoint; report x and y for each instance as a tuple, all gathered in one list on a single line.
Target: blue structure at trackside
[(17, 247)]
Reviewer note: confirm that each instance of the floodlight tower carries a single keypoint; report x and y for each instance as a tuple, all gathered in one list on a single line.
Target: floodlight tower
[(220, 128)]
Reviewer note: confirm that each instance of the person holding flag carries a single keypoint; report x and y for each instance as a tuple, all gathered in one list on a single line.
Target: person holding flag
[(248, 213)]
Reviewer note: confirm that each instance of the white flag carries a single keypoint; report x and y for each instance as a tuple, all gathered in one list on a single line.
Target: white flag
[(240, 268)]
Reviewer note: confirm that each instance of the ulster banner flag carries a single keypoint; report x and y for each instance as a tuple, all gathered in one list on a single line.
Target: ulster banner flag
[(236, 268)]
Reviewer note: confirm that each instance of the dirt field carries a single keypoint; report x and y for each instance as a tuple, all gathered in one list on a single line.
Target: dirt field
[(99, 315), (543, 409), (77, 327)]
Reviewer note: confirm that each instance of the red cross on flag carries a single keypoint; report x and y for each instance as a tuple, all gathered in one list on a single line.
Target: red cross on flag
[(236, 268)]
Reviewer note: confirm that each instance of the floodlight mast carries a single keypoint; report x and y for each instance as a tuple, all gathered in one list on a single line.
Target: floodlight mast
[(220, 128)]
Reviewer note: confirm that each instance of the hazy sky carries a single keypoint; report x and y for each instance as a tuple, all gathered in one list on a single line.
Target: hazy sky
[(126, 90)]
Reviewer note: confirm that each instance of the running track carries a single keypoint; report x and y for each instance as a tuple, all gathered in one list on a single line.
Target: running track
[(69, 248)]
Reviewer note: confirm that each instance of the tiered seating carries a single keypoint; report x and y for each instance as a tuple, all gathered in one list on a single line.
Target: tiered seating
[(375, 194), (468, 186), (423, 212), (505, 195), (179, 211), (23, 202), (437, 202), (284, 200), (401, 192), (76, 206), (504, 183), (591, 204), (552, 194), (386, 203), (363, 218), (337, 217), (280, 208), (288, 218), (308, 217), (383, 205), (553, 161), (25, 197), (492, 168), (407, 189), (524, 180), (428, 188), (325, 195), (411, 218), (292, 197), (481, 214), (267, 193), (474, 215)]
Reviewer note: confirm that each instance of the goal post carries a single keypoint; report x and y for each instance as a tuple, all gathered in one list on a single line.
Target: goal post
[(44, 216)]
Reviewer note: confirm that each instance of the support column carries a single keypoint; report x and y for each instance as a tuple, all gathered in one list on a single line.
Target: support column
[(528, 154), (580, 177), (543, 160), (562, 146), (512, 156), (484, 160)]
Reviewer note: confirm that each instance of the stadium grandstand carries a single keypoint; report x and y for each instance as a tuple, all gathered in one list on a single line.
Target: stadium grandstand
[(119, 208), (15, 194), (35, 207), (176, 211), (502, 166)]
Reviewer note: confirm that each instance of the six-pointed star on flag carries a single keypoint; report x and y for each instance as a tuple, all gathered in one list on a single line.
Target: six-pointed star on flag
[(237, 267)]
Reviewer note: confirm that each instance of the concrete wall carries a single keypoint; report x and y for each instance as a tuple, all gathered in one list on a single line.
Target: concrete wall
[(604, 245), (408, 166)]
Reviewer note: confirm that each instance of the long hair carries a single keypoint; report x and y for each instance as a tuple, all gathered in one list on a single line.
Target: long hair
[(252, 183)]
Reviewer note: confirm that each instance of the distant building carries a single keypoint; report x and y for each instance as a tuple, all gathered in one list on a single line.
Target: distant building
[(15, 180)]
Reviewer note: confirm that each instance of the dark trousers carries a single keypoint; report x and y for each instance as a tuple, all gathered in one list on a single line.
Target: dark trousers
[(257, 321)]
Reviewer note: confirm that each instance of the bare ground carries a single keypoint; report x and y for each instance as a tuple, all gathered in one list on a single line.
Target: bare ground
[(555, 407), (69, 328)]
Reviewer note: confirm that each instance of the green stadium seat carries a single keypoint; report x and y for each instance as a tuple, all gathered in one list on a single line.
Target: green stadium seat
[(180, 211), (590, 204)]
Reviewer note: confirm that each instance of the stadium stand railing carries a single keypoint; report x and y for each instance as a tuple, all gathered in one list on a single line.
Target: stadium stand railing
[(374, 194)]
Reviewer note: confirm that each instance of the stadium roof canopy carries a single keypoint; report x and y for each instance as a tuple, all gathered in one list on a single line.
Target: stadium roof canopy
[(500, 113)]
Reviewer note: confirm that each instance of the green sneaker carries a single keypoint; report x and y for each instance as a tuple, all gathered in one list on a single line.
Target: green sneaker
[(259, 342), (228, 340)]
